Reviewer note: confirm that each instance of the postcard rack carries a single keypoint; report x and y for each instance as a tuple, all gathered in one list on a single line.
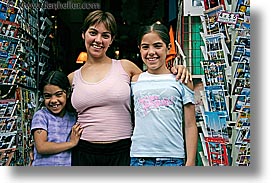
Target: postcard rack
[(225, 107), (23, 38)]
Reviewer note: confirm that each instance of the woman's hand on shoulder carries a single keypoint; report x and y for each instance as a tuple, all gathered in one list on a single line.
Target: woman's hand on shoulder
[(182, 73)]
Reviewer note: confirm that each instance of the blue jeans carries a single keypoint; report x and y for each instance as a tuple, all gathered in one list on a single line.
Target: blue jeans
[(157, 161)]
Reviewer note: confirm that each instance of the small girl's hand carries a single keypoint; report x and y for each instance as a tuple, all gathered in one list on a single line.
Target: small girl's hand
[(76, 133)]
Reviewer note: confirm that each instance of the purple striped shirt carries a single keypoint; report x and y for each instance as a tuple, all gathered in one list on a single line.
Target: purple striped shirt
[(59, 130)]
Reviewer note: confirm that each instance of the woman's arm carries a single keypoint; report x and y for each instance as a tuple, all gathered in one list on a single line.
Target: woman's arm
[(130, 67), (180, 71), (44, 147)]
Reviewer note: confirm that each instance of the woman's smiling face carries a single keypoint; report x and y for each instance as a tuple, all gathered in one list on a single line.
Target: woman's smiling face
[(97, 40)]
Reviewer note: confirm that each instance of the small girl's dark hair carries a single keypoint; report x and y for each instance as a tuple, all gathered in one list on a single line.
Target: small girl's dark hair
[(157, 27), (57, 78)]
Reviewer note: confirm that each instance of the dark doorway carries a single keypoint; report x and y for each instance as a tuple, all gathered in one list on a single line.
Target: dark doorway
[(129, 14)]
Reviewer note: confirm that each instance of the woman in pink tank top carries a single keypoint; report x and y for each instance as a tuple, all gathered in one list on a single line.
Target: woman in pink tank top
[(101, 96)]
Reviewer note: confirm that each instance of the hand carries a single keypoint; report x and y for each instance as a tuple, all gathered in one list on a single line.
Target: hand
[(76, 133), (182, 73)]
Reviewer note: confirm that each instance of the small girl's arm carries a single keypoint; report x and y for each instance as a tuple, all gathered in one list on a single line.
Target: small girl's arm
[(44, 147)]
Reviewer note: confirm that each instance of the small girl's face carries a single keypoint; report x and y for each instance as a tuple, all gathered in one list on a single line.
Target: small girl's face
[(153, 53), (55, 99)]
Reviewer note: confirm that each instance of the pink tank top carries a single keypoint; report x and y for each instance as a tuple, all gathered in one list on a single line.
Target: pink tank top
[(104, 107)]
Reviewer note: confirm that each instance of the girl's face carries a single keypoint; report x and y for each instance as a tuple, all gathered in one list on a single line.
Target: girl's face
[(97, 40), (55, 99), (153, 53)]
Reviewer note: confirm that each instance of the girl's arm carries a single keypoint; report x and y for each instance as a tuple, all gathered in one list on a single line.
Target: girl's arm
[(44, 147), (191, 134)]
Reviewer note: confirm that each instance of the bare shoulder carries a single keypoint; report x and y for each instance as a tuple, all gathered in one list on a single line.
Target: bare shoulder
[(130, 67), (70, 77)]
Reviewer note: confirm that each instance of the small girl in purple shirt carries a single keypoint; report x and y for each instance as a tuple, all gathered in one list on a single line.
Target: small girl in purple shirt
[(53, 126)]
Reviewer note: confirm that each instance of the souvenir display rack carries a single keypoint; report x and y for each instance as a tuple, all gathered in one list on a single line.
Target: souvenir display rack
[(222, 86), (224, 122), (22, 38)]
